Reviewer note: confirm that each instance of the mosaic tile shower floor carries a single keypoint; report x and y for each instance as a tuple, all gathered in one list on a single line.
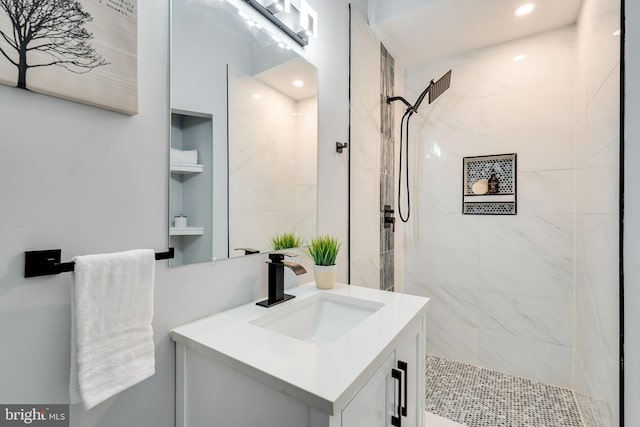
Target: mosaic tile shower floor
[(479, 397)]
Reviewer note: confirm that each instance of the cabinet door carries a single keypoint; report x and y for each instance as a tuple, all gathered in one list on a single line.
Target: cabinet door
[(411, 350), (373, 405)]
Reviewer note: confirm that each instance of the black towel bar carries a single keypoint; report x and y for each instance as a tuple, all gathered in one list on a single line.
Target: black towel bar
[(43, 263)]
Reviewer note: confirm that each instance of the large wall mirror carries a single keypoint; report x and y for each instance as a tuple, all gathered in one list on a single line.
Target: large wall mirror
[(243, 133)]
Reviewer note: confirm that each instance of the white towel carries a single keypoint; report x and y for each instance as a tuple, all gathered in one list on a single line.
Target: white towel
[(111, 335)]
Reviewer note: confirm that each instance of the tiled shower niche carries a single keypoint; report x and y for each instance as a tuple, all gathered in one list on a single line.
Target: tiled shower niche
[(479, 196)]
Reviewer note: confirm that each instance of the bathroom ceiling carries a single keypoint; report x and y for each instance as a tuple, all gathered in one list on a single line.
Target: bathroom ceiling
[(282, 77), (419, 31)]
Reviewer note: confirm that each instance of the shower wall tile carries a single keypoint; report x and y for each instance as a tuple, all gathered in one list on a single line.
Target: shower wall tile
[(464, 348), (441, 196), (597, 298), (601, 377), (535, 319), (250, 229), (387, 163), (538, 149), (450, 231), (609, 155), (530, 110), (451, 304), (597, 219), (491, 71), (443, 267), (512, 275), (539, 275), (528, 234), (365, 178), (544, 362), (603, 112), (365, 250), (598, 190), (387, 191), (366, 271), (386, 236), (365, 152), (545, 191), (272, 183), (386, 270), (599, 20)]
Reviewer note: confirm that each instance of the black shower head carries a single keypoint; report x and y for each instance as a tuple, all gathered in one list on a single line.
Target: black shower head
[(435, 89), (439, 87)]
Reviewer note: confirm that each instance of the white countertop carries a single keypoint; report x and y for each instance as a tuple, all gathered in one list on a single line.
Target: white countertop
[(321, 375)]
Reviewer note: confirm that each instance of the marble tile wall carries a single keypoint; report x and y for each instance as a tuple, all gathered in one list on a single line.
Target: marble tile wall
[(372, 158), (502, 286), (387, 163), (365, 152), (306, 146), (272, 185), (597, 216)]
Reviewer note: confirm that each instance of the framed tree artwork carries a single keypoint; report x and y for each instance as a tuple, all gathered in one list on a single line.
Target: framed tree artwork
[(81, 50)]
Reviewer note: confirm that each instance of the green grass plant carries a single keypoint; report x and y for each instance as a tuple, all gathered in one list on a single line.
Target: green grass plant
[(323, 250), (286, 241)]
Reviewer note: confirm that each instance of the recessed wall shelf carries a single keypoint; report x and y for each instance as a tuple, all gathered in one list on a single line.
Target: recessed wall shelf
[(187, 231), (481, 196), (191, 185), (184, 168)]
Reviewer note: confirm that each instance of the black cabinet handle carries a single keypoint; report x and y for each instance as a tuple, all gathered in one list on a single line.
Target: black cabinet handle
[(397, 421), (403, 366)]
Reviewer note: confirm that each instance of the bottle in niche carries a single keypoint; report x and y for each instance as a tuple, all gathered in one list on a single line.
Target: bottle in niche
[(493, 183)]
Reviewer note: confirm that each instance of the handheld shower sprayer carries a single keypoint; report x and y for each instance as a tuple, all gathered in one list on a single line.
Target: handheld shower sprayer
[(434, 89)]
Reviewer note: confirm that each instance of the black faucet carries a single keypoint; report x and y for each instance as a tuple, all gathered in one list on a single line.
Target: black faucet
[(276, 278)]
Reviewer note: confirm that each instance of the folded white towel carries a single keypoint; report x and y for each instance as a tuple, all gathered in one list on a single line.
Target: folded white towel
[(189, 157), (111, 335)]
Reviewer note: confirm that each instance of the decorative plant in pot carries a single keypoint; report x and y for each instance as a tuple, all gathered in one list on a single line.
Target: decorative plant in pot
[(323, 250), (286, 241)]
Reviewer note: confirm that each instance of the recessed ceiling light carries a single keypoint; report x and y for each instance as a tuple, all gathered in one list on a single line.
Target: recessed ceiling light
[(519, 57), (525, 9), (298, 83), (257, 96), (617, 32)]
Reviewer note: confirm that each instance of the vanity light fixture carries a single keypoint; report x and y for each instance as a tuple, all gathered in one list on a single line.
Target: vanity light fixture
[(296, 18), (277, 6), (524, 9), (308, 19)]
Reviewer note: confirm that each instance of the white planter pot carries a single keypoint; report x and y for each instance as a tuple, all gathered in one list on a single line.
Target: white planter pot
[(325, 276)]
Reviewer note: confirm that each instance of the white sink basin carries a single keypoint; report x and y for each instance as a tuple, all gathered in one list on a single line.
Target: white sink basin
[(323, 317)]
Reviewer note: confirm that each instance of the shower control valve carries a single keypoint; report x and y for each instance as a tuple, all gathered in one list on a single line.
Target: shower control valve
[(389, 219)]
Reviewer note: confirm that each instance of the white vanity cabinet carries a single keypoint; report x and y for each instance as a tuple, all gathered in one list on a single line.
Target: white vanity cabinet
[(384, 400), (265, 379)]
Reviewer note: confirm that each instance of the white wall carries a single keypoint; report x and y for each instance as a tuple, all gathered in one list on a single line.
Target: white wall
[(90, 181), (596, 359), (502, 286)]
